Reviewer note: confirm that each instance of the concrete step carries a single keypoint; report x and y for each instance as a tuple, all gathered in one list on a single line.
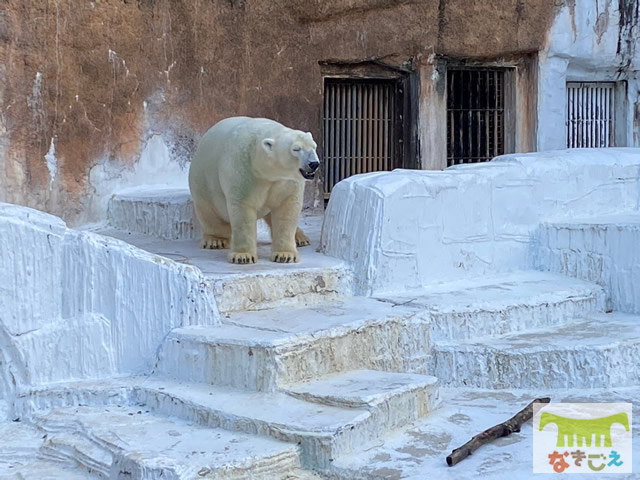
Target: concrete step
[(501, 304), (269, 349), (130, 442), (322, 431), (599, 351), (316, 279), (159, 210), (603, 250), (396, 398), (21, 456)]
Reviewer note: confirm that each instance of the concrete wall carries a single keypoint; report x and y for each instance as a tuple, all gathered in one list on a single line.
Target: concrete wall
[(405, 229), (78, 305), (604, 250), (100, 95), (590, 41)]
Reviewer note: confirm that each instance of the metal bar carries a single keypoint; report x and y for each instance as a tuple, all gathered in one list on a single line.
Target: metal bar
[(369, 162), (325, 138), (600, 115), (329, 134), (347, 131), (495, 113), (354, 129), (569, 117), (374, 129), (337, 121), (605, 118)]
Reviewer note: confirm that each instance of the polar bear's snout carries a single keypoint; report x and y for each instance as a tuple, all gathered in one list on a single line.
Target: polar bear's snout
[(310, 164)]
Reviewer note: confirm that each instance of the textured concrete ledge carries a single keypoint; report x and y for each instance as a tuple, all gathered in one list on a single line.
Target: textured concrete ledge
[(603, 250), (322, 431), (128, 441), (601, 351), (501, 304), (268, 349), (316, 279), (163, 212)]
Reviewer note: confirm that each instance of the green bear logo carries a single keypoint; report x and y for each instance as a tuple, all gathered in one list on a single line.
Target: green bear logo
[(584, 428)]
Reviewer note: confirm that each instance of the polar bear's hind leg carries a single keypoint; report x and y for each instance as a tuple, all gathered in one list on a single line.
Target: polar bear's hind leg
[(284, 222), (301, 238), (216, 232), (244, 241)]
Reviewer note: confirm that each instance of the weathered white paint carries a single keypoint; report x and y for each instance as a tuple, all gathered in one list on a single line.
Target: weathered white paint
[(79, 305), (604, 250), (404, 230), (582, 45), (52, 162)]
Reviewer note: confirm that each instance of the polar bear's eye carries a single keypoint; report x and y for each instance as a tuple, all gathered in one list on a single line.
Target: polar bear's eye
[(296, 149)]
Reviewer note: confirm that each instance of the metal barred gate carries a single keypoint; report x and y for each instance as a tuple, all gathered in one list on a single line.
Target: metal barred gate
[(590, 112), (362, 132), (475, 115)]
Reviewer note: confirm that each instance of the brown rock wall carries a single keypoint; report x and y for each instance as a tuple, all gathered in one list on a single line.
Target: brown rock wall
[(99, 77)]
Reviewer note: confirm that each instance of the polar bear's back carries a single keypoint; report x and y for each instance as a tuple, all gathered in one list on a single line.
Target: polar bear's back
[(224, 157), (234, 137)]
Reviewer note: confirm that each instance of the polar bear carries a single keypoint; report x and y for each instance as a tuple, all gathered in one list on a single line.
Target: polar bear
[(249, 168)]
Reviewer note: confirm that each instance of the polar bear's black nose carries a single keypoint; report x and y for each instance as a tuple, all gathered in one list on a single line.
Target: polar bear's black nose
[(313, 166)]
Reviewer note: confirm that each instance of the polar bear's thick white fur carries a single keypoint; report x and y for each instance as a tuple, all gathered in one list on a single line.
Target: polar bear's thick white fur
[(250, 168)]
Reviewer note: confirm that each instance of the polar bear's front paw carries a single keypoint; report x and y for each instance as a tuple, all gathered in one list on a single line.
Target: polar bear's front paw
[(301, 239), (242, 258), (285, 257), (209, 241)]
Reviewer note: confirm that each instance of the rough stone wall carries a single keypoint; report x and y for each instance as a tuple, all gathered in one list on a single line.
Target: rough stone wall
[(86, 85)]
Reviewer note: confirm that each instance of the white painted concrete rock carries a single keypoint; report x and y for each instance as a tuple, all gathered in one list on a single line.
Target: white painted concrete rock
[(79, 305), (403, 230)]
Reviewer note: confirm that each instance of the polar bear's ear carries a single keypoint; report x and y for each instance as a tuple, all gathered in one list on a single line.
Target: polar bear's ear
[(268, 144)]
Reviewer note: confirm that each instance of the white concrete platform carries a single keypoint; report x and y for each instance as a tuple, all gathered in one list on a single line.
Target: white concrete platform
[(21, 456), (598, 351), (268, 349), (419, 452), (604, 250), (266, 284), (501, 304), (129, 441), (322, 431)]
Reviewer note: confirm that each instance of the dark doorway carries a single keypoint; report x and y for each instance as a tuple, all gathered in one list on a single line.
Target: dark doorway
[(475, 115), (363, 127)]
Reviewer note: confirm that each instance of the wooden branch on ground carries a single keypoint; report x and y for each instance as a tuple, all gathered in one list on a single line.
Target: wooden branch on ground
[(497, 431)]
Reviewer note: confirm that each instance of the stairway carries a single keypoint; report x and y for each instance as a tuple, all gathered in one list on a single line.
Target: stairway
[(304, 380)]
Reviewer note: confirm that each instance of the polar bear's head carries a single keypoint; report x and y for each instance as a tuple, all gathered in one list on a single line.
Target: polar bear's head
[(294, 152)]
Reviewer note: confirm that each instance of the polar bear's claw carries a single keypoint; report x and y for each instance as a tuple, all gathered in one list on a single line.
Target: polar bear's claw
[(301, 239), (214, 243), (285, 257), (242, 258)]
